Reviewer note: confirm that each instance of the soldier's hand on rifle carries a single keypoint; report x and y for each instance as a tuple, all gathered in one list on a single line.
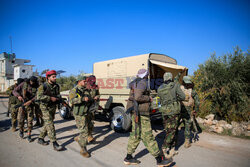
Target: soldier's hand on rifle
[(151, 99), (27, 103), (96, 98), (193, 113), (53, 99), (85, 98), (20, 98)]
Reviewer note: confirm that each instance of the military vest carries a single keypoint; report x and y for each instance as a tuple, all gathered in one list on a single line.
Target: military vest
[(80, 109), (169, 103), (189, 101)]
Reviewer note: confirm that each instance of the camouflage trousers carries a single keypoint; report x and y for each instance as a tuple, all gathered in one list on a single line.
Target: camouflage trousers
[(28, 113), (81, 124), (14, 113), (48, 125), (90, 123), (186, 118), (170, 126), (38, 112), (144, 133)]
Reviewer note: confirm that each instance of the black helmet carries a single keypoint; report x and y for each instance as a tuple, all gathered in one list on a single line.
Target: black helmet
[(19, 80), (33, 79)]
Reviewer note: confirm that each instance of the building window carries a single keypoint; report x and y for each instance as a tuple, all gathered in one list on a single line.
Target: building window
[(23, 71)]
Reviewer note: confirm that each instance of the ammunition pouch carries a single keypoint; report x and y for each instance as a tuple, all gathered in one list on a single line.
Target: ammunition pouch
[(171, 108), (80, 109)]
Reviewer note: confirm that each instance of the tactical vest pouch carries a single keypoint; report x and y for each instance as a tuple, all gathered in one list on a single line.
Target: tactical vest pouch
[(80, 110), (171, 109)]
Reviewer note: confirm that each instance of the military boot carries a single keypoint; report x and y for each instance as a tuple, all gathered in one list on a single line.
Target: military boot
[(57, 147), (21, 134), (187, 143), (37, 123), (84, 152), (90, 139), (129, 160), (42, 142), (161, 161), (170, 153), (29, 138)]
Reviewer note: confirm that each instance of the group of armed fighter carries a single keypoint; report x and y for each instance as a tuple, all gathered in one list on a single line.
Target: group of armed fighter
[(177, 102)]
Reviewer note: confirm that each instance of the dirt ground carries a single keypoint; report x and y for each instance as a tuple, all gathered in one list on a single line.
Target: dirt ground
[(110, 148)]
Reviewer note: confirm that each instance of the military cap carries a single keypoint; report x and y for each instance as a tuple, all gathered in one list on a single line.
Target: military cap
[(187, 79), (167, 76), (80, 78)]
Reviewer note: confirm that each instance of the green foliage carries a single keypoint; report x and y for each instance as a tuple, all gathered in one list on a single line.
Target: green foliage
[(223, 86), (66, 83)]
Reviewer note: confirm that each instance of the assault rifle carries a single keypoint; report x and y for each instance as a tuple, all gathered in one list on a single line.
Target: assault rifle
[(195, 129), (136, 115)]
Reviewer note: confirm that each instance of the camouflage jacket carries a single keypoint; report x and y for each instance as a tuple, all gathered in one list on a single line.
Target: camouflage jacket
[(45, 92), (191, 101), (10, 89), (76, 98), (26, 91), (170, 96), (12, 98)]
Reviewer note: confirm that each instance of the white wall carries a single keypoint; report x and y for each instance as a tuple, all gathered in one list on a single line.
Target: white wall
[(23, 72)]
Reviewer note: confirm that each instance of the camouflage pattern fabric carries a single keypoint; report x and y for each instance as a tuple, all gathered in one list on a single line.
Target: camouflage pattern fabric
[(48, 109), (170, 126), (144, 133), (48, 125), (80, 111), (81, 124), (191, 103), (26, 112), (170, 95), (90, 116), (12, 102)]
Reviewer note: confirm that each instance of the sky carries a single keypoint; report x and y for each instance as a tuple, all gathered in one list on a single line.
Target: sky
[(71, 35)]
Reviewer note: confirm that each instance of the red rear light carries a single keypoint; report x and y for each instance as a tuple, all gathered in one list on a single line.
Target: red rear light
[(153, 111)]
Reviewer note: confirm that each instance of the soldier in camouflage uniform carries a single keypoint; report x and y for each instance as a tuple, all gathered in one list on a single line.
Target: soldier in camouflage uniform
[(141, 127), (13, 101), (188, 107), (38, 111), (170, 95), (49, 96), (78, 97), (26, 94), (93, 90)]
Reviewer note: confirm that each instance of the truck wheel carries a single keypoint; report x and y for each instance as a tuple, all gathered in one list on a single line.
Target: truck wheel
[(120, 122), (64, 112)]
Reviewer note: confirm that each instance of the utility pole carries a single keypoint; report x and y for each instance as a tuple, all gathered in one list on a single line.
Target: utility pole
[(11, 45)]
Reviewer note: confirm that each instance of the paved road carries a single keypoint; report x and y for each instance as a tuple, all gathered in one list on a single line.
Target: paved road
[(110, 148)]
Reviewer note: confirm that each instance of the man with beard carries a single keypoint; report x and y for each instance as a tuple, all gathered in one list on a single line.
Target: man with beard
[(49, 95)]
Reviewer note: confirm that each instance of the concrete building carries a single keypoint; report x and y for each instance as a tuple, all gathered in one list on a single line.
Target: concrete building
[(9, 62)]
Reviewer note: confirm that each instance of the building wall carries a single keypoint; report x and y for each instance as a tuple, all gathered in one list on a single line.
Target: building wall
[(24, 71)]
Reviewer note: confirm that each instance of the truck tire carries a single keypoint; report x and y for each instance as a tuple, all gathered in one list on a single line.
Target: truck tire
[(120, 121), (64, 112)]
